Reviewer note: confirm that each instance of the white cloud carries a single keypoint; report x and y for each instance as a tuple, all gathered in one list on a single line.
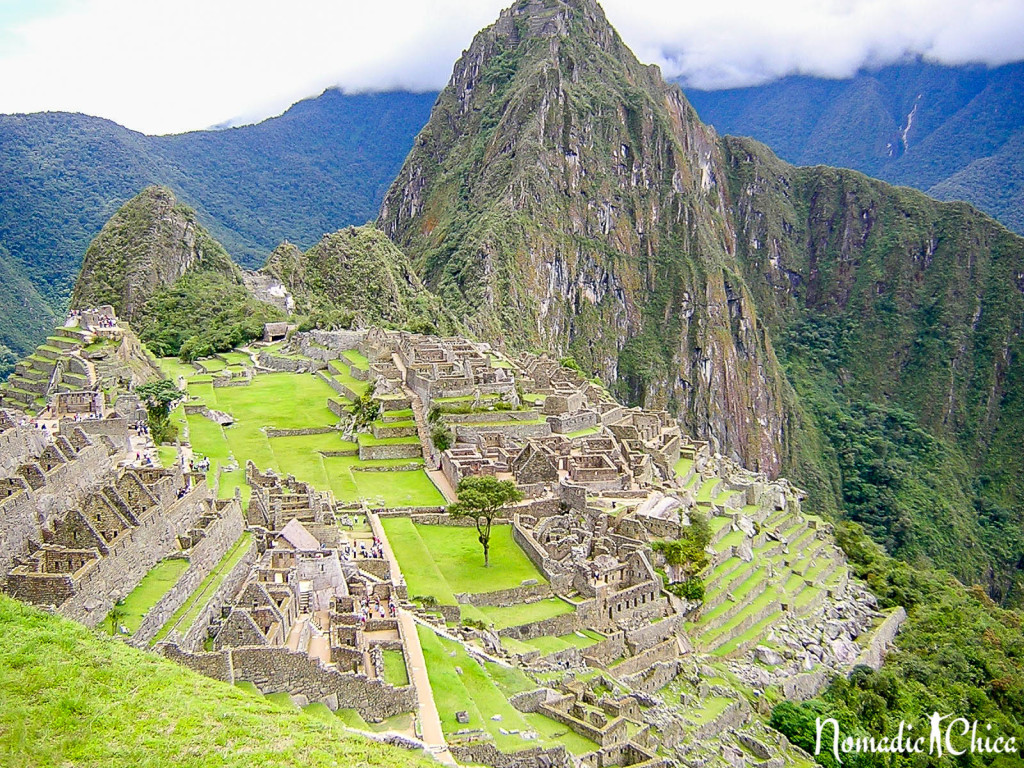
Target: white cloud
[(165, 67), (733, 43)]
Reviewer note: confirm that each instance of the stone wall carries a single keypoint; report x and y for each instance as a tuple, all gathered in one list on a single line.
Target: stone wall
[(409, 450), (466, 433), (554, 626), (606, 651), (274, 362), (271, 432), (487, 417), (219, 536), (654, 678), (648, 636), (192, 638), (276, 670), (485, 753), (129, 560), (565, 423), (17, 445), (874, 654), (506, 597), (28, 510), (666, 651), (115, 429)]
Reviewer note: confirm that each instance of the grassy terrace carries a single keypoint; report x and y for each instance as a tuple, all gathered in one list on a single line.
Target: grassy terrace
[(549, 644), (342, 373), (525, 613), (357, 359), (395, 671), (292, 401), (483, 691), (191, 608), (683, 466), (72, 697), (443, 561), (147, 593)]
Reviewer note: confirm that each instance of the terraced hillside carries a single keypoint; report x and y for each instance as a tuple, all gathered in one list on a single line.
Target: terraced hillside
[(75, 360)]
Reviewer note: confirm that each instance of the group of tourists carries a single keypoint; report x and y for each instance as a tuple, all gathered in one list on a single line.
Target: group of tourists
[(375, 609)]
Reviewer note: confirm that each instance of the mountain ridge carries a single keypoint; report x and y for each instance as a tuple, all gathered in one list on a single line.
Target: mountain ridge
[(801, 319), (63, 175), (913, 123)]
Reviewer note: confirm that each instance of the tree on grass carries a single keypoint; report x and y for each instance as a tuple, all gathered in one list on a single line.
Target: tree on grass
[(481, 498), (160, 397)]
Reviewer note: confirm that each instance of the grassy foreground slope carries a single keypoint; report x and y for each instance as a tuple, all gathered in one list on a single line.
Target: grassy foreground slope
[(72, 697)]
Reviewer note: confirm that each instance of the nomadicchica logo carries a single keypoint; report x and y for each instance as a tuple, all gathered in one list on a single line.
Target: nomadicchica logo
[(940, 735)]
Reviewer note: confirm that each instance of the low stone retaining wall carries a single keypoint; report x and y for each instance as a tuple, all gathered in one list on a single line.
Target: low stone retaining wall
[(555, 626), (654, 678), (665, 651), (390, 451), (288, 364), (506, 597), (276, 670), (874, 654), (485, 753), (466, 432), (734, 716), (272, 432)]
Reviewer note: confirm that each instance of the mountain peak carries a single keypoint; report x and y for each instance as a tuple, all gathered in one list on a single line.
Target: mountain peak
[(150, 242)]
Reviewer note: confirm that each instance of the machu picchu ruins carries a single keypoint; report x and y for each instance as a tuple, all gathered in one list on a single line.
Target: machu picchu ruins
[(299, 536)]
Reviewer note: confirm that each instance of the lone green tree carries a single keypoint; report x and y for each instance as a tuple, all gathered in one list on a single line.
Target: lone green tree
[(481, 498), (160, 397)]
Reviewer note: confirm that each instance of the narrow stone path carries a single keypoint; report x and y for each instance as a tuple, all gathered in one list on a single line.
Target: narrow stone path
[(430, 721)]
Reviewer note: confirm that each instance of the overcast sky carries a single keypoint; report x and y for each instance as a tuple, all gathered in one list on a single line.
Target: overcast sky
[(177, 65)]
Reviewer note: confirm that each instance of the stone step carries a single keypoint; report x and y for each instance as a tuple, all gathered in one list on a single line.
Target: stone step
[(747, 592), (48, 352), (807, 601), (63, 342), (720, 529)]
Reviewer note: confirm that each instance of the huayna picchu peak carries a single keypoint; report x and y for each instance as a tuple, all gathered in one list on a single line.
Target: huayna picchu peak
[(612, 442), (564, 196)]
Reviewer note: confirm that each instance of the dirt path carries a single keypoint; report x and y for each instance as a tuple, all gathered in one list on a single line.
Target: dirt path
[(430, 721)]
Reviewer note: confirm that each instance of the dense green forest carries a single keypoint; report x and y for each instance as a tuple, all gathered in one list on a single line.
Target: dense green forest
[(323, 164)]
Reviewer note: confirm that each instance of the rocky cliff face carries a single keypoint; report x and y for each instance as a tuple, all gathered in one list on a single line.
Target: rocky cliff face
[(563, 196), (148, 244)]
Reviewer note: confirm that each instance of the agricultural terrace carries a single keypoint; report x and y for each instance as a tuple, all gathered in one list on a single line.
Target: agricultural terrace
[(288, 401)]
